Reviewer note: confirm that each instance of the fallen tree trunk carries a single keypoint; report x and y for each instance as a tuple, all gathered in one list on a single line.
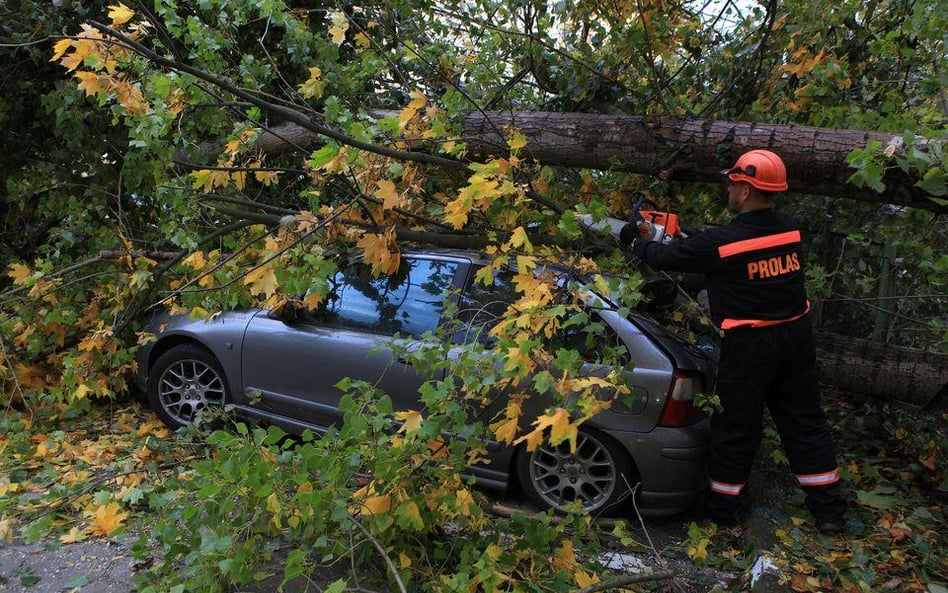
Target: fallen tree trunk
[(673, 148), (880, 370)]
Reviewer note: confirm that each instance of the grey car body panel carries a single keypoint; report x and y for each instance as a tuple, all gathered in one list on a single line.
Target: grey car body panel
[(275, 375)]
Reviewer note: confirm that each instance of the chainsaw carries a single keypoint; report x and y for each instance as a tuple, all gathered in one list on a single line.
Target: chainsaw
[(653, 225)]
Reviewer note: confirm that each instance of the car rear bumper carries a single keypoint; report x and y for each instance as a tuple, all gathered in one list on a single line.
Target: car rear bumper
[(671, 466)]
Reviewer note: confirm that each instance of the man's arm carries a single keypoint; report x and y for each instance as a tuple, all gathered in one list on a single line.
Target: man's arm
[(697, 253)]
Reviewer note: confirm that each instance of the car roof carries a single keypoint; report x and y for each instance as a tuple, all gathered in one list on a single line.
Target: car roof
[(477, 257)]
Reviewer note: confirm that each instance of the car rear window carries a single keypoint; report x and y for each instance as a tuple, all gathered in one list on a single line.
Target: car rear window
[(482, 307)]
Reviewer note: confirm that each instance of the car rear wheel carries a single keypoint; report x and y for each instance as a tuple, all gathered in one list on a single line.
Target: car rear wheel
[(599, 474), (185, 381)]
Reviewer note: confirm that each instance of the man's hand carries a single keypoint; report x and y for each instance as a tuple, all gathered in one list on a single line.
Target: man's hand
[(628, 234)]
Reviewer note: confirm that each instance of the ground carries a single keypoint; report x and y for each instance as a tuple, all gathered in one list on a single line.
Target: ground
[(892, 458)]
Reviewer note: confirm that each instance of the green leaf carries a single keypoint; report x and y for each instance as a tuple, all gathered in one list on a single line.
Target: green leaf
[(881, 498), (934, 182), (28, 580), (322, 156), (78, 581), (543, 381)]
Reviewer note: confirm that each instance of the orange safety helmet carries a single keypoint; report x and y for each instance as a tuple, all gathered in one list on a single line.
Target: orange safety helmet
[(761, 168)]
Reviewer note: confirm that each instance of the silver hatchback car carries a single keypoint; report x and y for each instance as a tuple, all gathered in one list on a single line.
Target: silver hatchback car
[(283, 369)]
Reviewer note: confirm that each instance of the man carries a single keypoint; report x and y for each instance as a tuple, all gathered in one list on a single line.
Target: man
[(756, 293)]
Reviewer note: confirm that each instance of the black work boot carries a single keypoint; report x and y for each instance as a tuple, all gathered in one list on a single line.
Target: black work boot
[(830, 526), (727, 511), (827, 505)]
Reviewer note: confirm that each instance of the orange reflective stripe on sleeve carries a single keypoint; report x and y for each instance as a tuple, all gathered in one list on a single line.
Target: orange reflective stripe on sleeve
[(746, 245), (725, 488), (729, 323), (824, 479)]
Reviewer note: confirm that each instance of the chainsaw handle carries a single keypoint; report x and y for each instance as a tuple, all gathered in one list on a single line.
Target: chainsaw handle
[(638, 200)]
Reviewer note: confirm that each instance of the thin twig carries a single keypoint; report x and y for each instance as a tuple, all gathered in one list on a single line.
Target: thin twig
[(288, 113), (384, 554), (629, 579)]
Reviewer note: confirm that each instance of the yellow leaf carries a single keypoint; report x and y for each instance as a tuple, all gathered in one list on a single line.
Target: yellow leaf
[(505, 429), (518, 358), (273, 503), (389, 195), (585, 579), (412, 514), (464, 502), (411, 421), (403, 560), (120, 14), (81, 392), (265, 177), (75, 535), (362, 41), (376, 505), (526, 263), (312, 300), (232, 147), (6, 529), (239, 178), (456, 212), (519, 239), (381, 252), (129, 96), (533, 439), (262, 281), (19, 273), (494, 552), (107, 519), (61, 47), (202, 178), (195, 261), (418, 101), (313, 87), (517, 142), (340, 24), (561, 428), (153, 427)]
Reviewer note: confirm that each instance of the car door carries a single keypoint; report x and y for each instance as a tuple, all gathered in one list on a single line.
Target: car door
[(291, 365)]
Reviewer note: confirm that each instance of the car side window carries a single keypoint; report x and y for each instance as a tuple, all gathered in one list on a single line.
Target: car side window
[(482, 307), (408, 302)]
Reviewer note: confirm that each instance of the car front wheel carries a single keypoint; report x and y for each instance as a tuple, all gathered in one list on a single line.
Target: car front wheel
[(184, 381), (599, 474)]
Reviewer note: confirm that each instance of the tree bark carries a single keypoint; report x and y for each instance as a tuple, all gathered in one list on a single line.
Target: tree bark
[(880, 370), (674, 148)]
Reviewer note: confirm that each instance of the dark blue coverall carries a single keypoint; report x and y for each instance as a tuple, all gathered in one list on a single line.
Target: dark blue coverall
[(757, 296)]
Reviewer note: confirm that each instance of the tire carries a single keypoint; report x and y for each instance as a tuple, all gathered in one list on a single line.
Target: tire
[(184, 381), (600, 474)]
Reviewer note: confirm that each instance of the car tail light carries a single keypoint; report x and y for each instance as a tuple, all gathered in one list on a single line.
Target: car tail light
[(679, 410)]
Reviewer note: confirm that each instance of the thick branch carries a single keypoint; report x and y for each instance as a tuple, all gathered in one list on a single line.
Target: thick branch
[(629, 579), (690, 149)]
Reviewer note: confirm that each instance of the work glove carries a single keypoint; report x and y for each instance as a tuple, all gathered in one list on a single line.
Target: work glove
[(628, 234)]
